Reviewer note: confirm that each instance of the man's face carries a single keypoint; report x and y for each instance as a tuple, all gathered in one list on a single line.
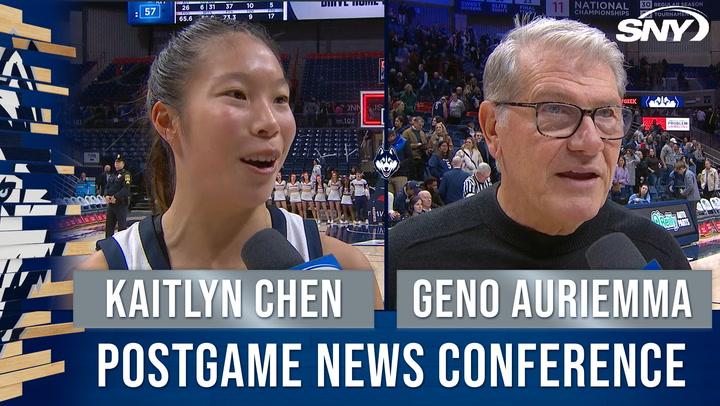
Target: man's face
[(426, 199), (553, 184), (119, 165), (418, 124)]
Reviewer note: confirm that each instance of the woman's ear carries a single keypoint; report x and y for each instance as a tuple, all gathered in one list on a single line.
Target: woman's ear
[(166, 123)]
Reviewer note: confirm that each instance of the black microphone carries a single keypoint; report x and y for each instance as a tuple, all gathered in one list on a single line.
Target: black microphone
[(269, 250), (615, 251)]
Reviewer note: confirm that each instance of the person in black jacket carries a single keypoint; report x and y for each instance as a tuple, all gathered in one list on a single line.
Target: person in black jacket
[(117, 195)]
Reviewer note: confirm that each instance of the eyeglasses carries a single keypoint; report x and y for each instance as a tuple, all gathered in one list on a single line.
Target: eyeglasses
[(561, 120)]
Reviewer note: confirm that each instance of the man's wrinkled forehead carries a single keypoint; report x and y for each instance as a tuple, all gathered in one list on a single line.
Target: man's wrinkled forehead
[(537, 59)]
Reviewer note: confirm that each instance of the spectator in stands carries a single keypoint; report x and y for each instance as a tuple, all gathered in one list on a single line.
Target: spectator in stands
[(698, 155), (439, 162), (709, 180), (438, 133), (452, 182), (409, 98), (653, 165), (548, 78), (668, 158), (690, 189), (440, 108), (631, 163), (470, 155), (423, 84), (398, 111), (479, 180), (642, 197), (103, 180), (400, 124), (402, 200), (431, 185), (404, 154), (619, 192), (426, 199), (456, 109), (438, 86), (417, 139), (415, 206)]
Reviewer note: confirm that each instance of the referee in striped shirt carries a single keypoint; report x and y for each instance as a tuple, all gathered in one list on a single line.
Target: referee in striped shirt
[(479, 180)]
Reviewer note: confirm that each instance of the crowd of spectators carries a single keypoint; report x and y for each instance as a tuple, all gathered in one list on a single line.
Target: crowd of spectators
[(434, 80)]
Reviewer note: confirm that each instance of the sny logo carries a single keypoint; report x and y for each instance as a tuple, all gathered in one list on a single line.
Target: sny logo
[(639, 29), (386, 162)]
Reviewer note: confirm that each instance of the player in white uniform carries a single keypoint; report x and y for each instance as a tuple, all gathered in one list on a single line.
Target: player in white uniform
[(334, 186), (293, 188), (234, 131), (320, 199), (279, 193), (306, 195)]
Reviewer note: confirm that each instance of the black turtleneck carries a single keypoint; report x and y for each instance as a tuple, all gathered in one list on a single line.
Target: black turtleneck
[(475, 233)]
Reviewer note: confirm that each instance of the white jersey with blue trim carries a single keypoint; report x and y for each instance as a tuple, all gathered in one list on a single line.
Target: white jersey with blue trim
[(142, 247)]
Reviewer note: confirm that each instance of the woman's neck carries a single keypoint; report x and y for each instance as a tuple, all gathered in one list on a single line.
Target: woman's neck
[(199, 234)]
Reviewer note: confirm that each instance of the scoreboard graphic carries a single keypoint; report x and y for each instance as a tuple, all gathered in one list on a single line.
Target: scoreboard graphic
[(185, 12)]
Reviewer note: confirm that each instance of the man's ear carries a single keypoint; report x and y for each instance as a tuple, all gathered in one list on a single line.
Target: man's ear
[(166, 121), (487, 116)]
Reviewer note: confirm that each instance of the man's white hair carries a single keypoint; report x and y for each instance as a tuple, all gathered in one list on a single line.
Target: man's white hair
[(502, 79), (483, 169)]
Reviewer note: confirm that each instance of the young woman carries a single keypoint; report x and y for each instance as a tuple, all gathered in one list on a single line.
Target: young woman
[(641, 197), (619, 184), (306, 196), (293, 188), (334, 186), (416, 206), (470, 155), (218, 102), (320, 199), (346, 202), (279, 195)]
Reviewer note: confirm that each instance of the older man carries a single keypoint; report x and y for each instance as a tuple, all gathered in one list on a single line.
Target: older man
[(479, 180), (554, 121)]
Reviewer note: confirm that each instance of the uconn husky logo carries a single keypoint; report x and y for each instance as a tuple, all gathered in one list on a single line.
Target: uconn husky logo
[(386, 162), (639, 29)]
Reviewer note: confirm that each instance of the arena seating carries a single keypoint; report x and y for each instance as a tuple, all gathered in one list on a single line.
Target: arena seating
[(336, 147), (340, 77), (132, 144)]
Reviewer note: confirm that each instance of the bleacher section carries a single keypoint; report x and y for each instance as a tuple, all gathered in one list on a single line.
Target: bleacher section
[(340, 77), (109, 142), (335, 147)]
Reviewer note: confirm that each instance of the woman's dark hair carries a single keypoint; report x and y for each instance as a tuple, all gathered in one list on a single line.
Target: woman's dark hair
[(440, 153), (169, 75), (413, 201)]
